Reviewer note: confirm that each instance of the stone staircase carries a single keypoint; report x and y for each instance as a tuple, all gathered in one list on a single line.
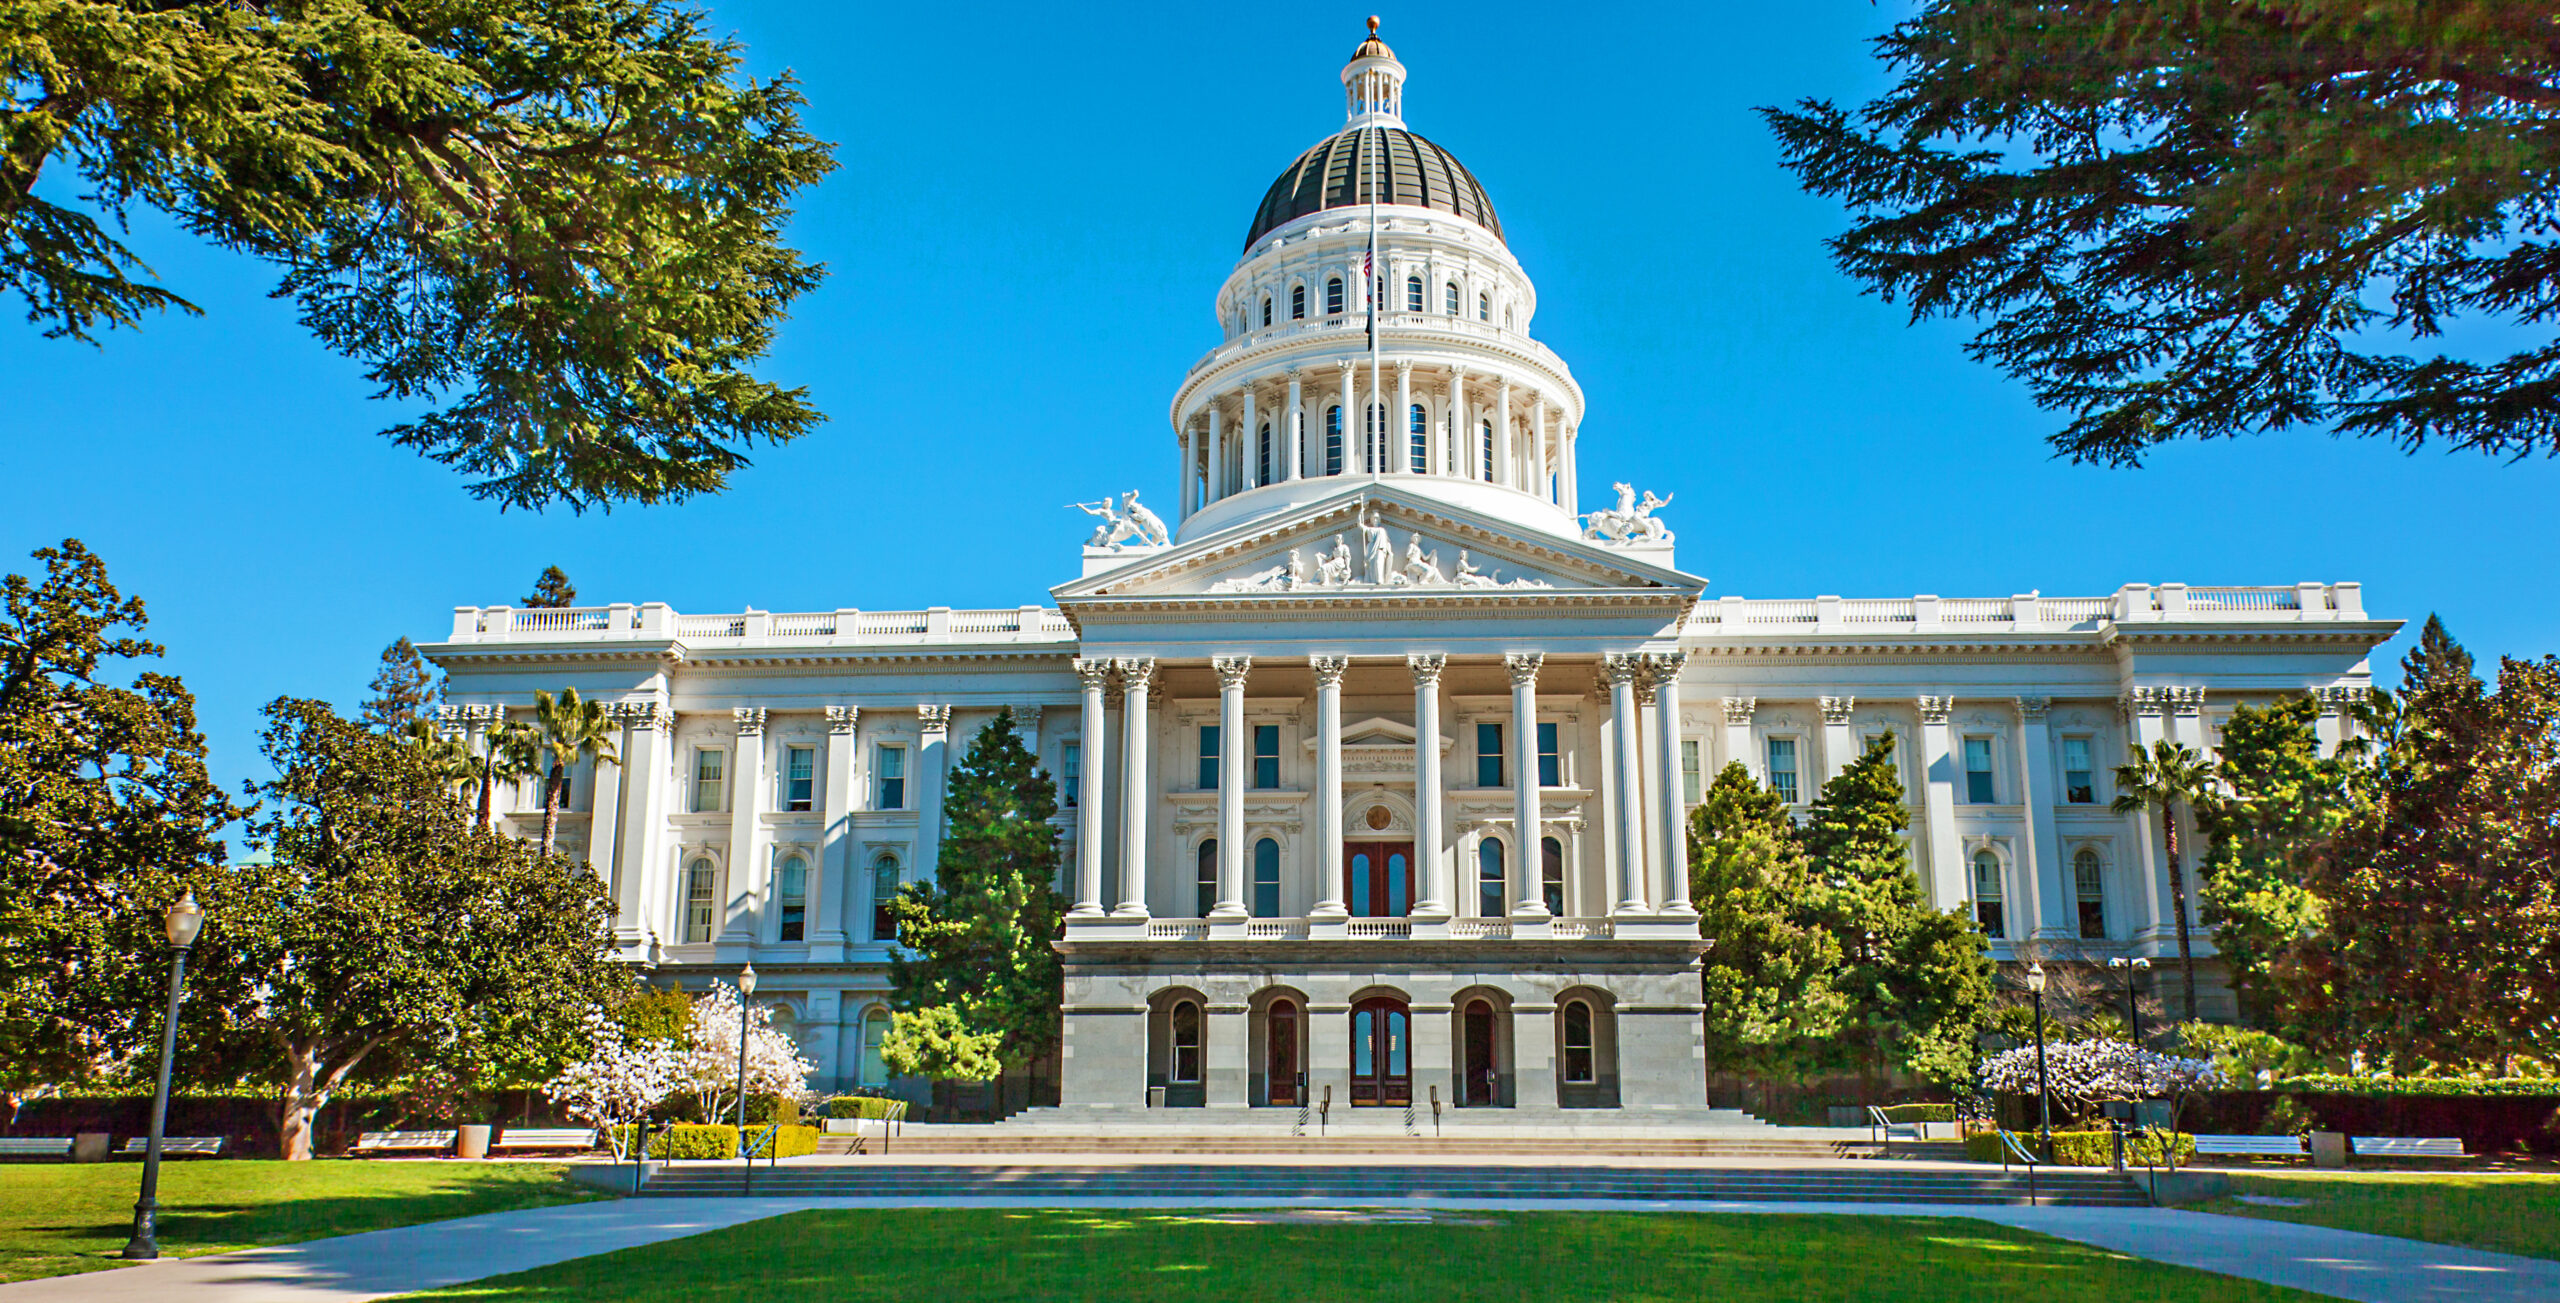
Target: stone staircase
[(1140, 1143), (1353, 1183)]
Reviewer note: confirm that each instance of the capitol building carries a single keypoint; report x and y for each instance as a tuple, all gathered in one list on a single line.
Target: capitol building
[(1376, 742)]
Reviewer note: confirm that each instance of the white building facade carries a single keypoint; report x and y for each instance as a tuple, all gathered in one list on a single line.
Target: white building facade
[(1376, 766)]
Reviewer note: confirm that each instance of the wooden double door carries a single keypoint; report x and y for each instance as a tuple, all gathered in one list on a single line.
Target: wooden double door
[(1381, 1052), (1377, 878)]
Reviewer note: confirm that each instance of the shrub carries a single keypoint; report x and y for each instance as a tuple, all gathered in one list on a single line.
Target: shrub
[(867, 1107), (762, 1109), (692, 1140), (2450, 1086), (2081, 1148), (1920, 1112)]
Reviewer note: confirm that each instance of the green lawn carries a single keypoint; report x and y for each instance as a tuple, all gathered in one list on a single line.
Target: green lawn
[(972, 1255), (2509, 1212), (57, 1218)]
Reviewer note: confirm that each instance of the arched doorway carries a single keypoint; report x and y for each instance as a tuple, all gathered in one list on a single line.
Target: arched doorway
[(1280, 1052), (1482, 1082), (1381, 1052)]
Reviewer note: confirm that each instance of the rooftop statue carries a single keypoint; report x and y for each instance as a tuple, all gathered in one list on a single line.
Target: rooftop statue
[(1630, 521), (1130, 520)]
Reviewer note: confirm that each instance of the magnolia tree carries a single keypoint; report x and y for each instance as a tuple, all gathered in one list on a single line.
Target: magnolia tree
[(618, 1081), (2086, 1073), (708, 1061)]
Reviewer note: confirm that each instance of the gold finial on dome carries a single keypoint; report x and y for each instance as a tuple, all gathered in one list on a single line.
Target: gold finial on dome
[(1373, 24)]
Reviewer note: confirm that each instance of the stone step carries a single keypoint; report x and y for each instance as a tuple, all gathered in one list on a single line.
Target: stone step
[(1525, 1146), (1863, 1183)]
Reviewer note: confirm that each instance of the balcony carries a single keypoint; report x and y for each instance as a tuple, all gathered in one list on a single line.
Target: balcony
[(1358, 931)]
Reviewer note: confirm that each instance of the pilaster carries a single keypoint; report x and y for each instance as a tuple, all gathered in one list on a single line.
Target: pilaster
[(833, 910), (1430, 796), (1946, 880), (2050, 899), (933, 775), (1838, 748), (1329, 910), (746, 834)]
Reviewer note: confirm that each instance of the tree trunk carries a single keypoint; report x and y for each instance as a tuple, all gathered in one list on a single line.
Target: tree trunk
[(303, 1100), (551, 789), (2178, 899), (488, 786)]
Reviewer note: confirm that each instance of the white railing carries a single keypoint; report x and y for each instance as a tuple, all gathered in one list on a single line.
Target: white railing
[(1291, 929), (1372, 928), (1177, 931), (1787, 612), (2074, 610), (877, 623), (2028, 612), (711, 626), (655, 621), (1973, 610), (1582, 929), (2243, 599), (1473, 928), (560, 620), (815, 624), (1879, 610)]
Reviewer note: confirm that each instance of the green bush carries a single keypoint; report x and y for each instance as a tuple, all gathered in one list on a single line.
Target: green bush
[(861, 1106), (2456, 1086), (694, 1140), (2081, 1148), (1920, 1112), (762, 1109)]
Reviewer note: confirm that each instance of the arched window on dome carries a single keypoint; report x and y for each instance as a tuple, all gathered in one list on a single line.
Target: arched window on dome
[(1484, 438), (1375, 445), (1333, 297), (1507, 318), (1262, 460), (1413, 294), (1484, 307), (1266, 309), (1418, 424), (1297, 302), (1333, 440), (1449, 299)]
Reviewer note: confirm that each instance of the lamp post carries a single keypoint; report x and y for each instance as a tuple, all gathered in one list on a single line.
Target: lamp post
[(746, 987), (2132, 1011), (2044, 1093), (183, 921)]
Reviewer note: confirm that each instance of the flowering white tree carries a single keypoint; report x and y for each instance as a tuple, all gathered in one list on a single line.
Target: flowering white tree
[(2088, 1072), (709, 1059), (618, 1081)]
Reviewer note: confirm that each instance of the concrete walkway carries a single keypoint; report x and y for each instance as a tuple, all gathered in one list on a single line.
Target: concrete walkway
[(379, 1264)]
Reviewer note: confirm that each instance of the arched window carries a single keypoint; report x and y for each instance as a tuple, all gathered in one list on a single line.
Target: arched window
[(1581, 1063), (1262, 461), (1333, 440), (1208, 877), (1484, 307), (2089, 883), (1418, 423), (1266, 879), (875, 1030), (1489, 902), (791, 900), (1507, 315), (1266, 309), (1449, 299), (1551, 873), (884, 888), (1986, 894), (1186, 1044), (1333, 296), (1376, 443), (1297, 302), (700, 882), (1484, 436), (1413, 294)]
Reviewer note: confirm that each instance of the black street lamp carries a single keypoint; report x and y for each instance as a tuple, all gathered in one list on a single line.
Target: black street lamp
[(2044, 1091), (746, 987), (184, 920), (2132, 1011)]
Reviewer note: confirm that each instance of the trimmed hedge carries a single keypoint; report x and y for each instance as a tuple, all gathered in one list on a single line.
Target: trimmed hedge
[(2082, 1148), (1920, 1112), (2444, 1087), (861, 1106), (713, 1140)]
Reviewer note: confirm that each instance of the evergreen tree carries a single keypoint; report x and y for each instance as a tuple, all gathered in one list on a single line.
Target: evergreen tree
[(2164, 778), (980, 932), (1768, 981), (1916, 981), (403, 689), (552, 591), (2281, 802)]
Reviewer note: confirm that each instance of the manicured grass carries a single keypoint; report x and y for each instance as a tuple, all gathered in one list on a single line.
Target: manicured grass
[(978, 1255), (2508, 1212), (57, 1218)]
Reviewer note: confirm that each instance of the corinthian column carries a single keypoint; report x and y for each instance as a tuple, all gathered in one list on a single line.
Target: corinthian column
[(1231, 763), (1664, 667), (1628, 779), (1293, 442), (1354, 453), (1506, 457), (1217, 456), (1526, 825), (1136, 676), (1251, 438), (1329, 670), (1093, 676), (1439, 888), (1400, 421)]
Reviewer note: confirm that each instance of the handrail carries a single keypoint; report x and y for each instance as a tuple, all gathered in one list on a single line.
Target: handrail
[(764, 1139), (2009, 1147)]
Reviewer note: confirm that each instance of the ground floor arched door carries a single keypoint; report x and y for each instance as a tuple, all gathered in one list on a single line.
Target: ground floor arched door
[(1280, 1052), (1476, 1029), (1381, 1052)]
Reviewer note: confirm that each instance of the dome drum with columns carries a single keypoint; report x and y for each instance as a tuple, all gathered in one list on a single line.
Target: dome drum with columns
[(1376, 761)]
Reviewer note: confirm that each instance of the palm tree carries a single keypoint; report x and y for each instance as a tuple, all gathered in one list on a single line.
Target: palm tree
[(449, 756), (2170, 775), (568, 729), (509, 749)]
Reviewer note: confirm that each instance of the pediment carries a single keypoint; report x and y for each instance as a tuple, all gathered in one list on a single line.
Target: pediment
[(1377, 541)]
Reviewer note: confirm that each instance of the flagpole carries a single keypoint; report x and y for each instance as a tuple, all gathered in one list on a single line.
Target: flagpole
[(1377, 396)]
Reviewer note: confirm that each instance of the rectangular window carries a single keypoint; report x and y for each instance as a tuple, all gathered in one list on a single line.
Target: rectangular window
[(1333, 297), (1413, 294), (1488, 755), (892, 766), (793, 896), (1550, 764), (1551, 874), (1782, 768), (1266, 879), (1689, 777), (1208, 878), (708, 765), (2079, 777), (1978, 788), (1266, 756), (699, 883), (1208, 757), (799, 778), (1070, 772)]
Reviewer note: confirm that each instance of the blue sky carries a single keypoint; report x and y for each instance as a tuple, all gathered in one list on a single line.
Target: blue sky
[(1034, 209)]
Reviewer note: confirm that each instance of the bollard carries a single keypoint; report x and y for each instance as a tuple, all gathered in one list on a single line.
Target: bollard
[(1324, 1111), (1435, 1112)]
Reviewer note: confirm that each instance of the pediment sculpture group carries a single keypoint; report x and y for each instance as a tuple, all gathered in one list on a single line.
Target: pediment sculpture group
[(1375, 565)]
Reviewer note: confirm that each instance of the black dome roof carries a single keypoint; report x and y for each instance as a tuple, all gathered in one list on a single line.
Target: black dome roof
[(1338, 174)]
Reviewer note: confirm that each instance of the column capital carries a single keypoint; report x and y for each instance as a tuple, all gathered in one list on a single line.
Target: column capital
[(1934, 710), (2339, 698), (1346, 365), (2144, 702), (843, 719), (1524, 667), (1621, 667), (749, 719), (1137, 673), (1092, 673), (1426, 666), (1835, 710), (1232, 670), (1329, 669), (1738, 710), (935, 719), (1404, 366), (2034, 708), (1664, 667), (2186, 702)]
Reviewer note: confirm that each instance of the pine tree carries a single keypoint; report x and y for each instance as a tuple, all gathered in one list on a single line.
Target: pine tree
[(1917, 981), (980, 932), (1768, 982), (2280, 803), (552, 591), (402, 689)]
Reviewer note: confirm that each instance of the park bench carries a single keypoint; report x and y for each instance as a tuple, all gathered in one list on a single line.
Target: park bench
[(2249, 1147), (579, 1138), (35, 1146), (177, 1146), (2407, 1147), (403, 1142)]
